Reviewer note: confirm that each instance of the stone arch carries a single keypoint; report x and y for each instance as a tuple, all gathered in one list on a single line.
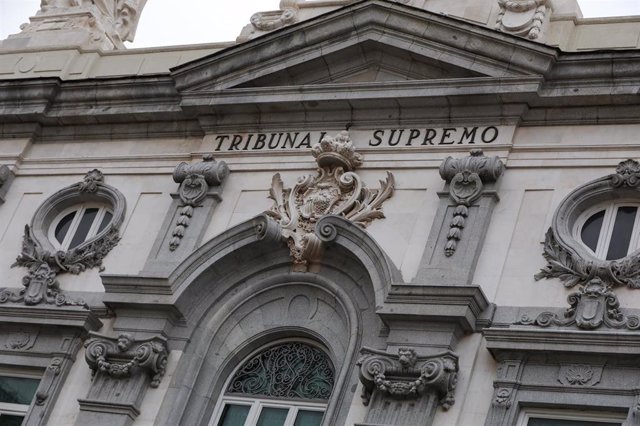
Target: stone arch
[(238, 293)]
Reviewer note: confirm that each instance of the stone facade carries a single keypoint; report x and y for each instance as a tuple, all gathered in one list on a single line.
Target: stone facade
[(403, 190)]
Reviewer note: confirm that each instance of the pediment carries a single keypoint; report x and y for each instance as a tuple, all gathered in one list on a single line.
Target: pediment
[(372, 41)]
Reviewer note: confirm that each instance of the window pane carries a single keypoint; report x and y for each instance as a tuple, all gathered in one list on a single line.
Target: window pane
[(621, 236), (552, 422), (7, 420), (591, 230), (270, 416), (308, 418), (63, 227), (83, 229), (234, 415), (105, 221), (17, 390)]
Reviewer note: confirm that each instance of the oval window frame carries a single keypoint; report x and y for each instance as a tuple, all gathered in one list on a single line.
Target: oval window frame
[(72, 196)]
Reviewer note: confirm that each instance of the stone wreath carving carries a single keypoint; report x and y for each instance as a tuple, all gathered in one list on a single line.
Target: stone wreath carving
[(465, 177), (408, 376), (591, 307), (44, 263), (194, 180), (121, 357), (334, 190), (566, 258), (522, 17)]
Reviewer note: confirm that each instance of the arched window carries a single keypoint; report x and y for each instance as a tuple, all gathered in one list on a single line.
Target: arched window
[(610, 231), (287, 384)]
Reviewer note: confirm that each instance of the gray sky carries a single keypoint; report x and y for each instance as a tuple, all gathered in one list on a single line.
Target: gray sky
[(171, 22)]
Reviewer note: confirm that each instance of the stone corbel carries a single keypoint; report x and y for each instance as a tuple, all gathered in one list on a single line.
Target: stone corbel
[(427, 381), (184, 225), (122, 368), (335, 190), (194, 180), (6, 178), (460, 227), (466, 177), (522, 17)]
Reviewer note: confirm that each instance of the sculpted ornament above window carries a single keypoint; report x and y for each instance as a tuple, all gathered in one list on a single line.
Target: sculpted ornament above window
[(335, 190)]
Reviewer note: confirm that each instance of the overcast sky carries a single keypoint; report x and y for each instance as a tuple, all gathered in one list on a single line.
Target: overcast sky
[(171, 22)]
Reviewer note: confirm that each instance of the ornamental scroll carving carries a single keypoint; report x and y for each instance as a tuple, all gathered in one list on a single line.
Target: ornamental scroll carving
[(194, 180), (522, 17), (44, 264), (408, 376), (122, 356), (466, 178), (590, 308), (566, 261), (335, 190)]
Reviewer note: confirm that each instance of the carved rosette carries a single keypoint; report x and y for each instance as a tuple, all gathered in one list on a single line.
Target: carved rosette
[(335, 190), (591, 307), (522, 17), (408, 376), (40, 283), (466, 177), (194, 180), (123, 356)]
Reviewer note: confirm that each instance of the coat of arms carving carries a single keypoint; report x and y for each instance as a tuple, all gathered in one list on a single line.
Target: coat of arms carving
[(335, 190)]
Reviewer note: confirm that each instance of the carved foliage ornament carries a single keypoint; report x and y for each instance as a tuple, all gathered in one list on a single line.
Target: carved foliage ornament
[(194, 180), (522, 17), (123, 356), (572, 269), (466, 177), (408, 376), (335, 190), (591, 307), (44, 264)]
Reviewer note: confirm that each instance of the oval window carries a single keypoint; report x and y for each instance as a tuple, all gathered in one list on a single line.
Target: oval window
[(610, 232), (78, 224)]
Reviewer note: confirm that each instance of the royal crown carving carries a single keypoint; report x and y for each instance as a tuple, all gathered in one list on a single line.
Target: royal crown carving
[(335, 190), (121, 357), (407, 375), (590, 308), (466, 178), (522, 17), (194, 180)]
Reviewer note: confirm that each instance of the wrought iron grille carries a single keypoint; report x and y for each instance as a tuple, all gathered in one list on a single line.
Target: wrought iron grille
[(289, 370)]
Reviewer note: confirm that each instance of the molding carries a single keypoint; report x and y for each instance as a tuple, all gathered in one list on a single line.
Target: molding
[(335, 190)]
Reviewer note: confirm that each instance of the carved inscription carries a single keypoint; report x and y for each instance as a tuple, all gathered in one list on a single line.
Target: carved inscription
[(415, 137)]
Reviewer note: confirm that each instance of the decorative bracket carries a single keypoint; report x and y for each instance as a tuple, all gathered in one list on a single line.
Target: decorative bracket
[(120, 357), (591, 307), (466, 178), (522, 17), (336, 189), (194, 180), (408, 376)]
